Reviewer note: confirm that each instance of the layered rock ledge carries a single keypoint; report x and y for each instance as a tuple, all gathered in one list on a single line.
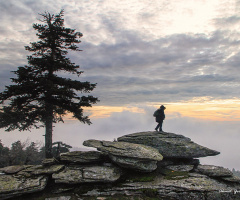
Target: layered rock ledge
[(128, 155), (144, 166), (170, 145)]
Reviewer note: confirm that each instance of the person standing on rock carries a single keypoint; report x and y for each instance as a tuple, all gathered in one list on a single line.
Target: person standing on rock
[(160, 116)]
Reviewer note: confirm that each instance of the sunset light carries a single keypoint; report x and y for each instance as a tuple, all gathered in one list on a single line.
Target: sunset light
[(139, 55), (205, 108)]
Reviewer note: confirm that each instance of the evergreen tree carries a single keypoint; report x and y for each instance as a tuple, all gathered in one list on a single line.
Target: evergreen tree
[(40, 97), (60, 147), (4, 155), (17, 153), (32, 154)]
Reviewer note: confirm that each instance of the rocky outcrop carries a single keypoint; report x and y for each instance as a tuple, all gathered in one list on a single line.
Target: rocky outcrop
[(173, 187), (125, 149), (18, 180), (116, 171), (127, 155), (170, 145), (95, 174)]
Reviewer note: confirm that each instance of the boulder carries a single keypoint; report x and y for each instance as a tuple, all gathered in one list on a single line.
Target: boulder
[(89, 174), (178, 175), (128, 155), (81, 157), (215, 171), (125, 149), (13, 186), (170, 145)]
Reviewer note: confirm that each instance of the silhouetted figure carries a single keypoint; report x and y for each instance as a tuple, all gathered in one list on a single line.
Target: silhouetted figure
[(160, 116)]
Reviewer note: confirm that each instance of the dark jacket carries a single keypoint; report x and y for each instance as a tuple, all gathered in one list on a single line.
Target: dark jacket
[(160, 115)]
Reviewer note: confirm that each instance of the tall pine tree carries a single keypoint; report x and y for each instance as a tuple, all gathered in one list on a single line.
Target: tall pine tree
[(39, 96)]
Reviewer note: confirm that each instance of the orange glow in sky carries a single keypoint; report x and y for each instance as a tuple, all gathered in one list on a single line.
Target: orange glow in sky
[(206, 108), (106, 111), (203, 108)]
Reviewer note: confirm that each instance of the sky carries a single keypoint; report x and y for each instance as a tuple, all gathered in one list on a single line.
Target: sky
[(183, 54)]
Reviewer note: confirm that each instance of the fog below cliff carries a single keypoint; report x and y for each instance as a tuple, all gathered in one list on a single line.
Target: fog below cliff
[(221, 136)]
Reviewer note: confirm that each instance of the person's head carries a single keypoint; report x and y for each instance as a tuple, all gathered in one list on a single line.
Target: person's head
[(162, 107)]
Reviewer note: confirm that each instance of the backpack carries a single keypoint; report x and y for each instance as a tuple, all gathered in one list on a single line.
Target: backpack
[(155, 113)]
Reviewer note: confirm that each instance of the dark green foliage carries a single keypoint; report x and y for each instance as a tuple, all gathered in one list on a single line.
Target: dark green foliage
[(20, 153), (4, 155), (25, 153), (33, 155), (60, 147), (39, 96), (17, 154)]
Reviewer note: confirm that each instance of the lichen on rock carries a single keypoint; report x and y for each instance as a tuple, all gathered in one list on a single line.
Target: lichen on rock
[(170, 145), (125, 169), (128, 155), (89, 174), (12, 186)]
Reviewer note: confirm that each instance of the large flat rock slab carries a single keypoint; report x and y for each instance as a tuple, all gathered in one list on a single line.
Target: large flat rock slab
[(128, 155), (170, 145), (75, 175), (125, 149), (214, 171)]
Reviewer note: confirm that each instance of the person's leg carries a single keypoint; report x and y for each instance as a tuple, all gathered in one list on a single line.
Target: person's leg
[(157, 127), (160, 126)]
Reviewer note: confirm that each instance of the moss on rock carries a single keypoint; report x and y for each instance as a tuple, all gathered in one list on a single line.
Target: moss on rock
[(174, 175)]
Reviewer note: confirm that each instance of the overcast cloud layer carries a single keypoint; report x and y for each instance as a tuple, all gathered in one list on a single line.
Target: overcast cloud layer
[(140, 53)]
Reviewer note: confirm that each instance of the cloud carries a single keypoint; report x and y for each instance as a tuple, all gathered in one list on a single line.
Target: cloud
[(128, 64), (141, 53), (220, 136), (183, 65)]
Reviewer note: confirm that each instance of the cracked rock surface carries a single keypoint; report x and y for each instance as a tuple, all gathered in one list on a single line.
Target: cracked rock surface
[(124, 170), (170, 145), (16, 185), (89, 174), (128, 155)]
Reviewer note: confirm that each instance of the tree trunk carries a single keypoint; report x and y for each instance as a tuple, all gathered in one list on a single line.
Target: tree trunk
[(48, 133), (49, 106)]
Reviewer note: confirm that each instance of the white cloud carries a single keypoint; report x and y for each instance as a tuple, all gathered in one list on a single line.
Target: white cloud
[(220, 136), (139, 52)]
